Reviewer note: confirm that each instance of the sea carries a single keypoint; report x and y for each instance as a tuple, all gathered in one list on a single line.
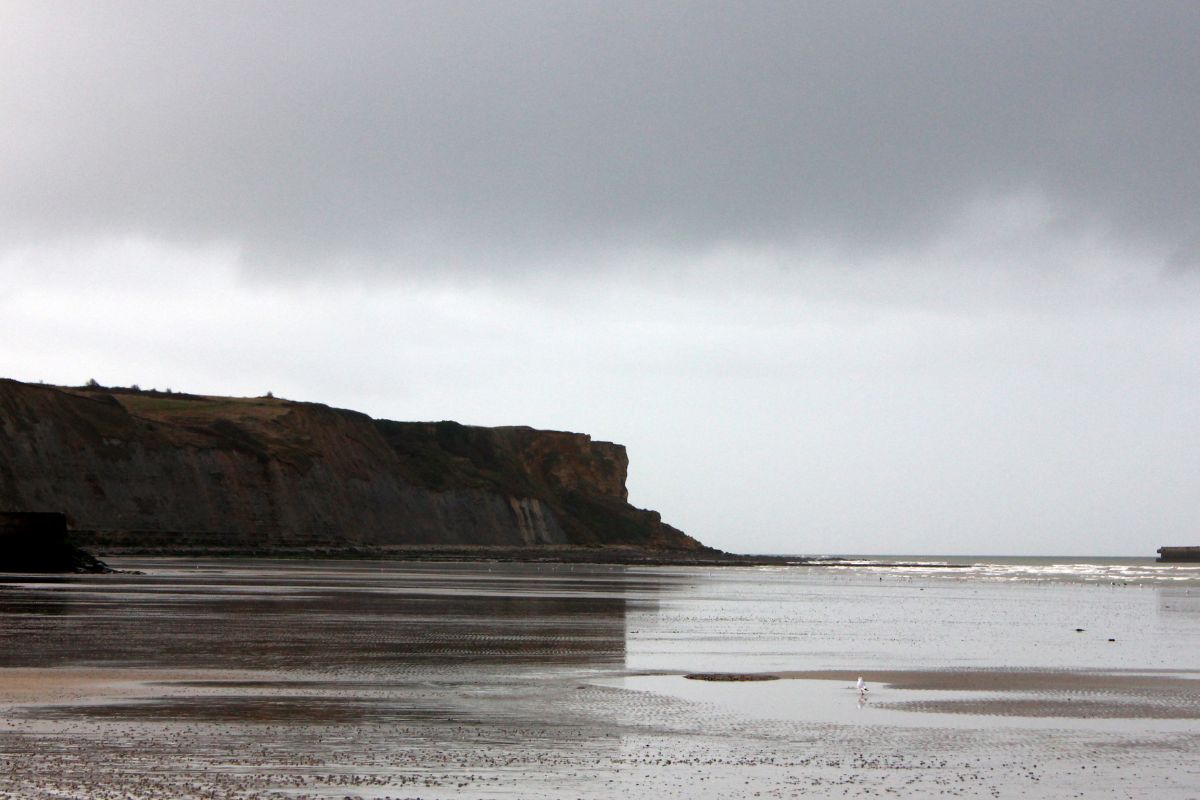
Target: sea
[(911, 611)]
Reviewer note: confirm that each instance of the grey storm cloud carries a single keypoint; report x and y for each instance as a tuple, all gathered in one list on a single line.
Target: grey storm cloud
[(418, 131)]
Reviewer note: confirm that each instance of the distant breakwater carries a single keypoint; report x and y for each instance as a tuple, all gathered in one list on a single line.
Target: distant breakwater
[(1177, 554)]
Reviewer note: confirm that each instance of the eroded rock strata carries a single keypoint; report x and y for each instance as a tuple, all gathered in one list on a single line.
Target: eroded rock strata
[(131, 467)]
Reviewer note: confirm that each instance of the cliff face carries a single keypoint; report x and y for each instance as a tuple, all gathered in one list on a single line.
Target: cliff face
[(268, 472)]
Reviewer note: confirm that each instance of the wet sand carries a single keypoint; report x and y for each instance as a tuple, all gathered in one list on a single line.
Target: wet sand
[(330, 681)]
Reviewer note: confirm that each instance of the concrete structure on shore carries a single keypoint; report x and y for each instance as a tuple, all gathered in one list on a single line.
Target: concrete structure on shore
[(36, 541), (29, 540)]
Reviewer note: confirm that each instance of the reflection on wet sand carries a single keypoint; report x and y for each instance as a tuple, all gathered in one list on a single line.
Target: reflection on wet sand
[(314, 618), (390, 676)]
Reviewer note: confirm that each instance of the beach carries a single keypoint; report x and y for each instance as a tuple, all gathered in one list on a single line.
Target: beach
[(290, 679)]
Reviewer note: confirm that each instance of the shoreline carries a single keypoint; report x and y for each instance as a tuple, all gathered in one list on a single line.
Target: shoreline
[(548, 554), (545, 554)]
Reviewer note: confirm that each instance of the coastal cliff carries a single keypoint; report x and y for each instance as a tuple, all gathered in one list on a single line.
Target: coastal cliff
[(136, 468)]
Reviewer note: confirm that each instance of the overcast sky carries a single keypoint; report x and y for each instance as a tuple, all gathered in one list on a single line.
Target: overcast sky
[(844, 277)]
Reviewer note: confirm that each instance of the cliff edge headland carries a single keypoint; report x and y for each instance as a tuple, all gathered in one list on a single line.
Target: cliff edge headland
[(136, 469)]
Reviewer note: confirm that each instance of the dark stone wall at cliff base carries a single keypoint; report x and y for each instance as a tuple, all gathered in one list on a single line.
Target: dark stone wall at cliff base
[(267, 472)]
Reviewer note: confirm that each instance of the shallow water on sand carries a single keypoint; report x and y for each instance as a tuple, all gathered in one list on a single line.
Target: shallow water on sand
[(889, 618), (261, 678)]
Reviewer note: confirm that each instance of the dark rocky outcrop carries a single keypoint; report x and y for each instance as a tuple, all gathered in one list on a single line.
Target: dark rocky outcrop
[(129, 467)]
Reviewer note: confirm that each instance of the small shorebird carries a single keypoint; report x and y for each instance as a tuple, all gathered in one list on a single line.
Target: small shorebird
[(861, 686)]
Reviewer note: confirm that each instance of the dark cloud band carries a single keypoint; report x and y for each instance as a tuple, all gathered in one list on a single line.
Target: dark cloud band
[(500, 134)]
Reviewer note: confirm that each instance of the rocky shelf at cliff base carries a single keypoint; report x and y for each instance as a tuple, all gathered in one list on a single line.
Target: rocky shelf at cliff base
[(114, 545), (148, 470)]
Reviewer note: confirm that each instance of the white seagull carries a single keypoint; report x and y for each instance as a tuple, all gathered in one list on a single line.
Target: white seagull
[(861, 686)]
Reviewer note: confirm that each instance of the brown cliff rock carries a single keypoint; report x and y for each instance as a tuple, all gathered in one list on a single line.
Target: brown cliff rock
[(134, 466)]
